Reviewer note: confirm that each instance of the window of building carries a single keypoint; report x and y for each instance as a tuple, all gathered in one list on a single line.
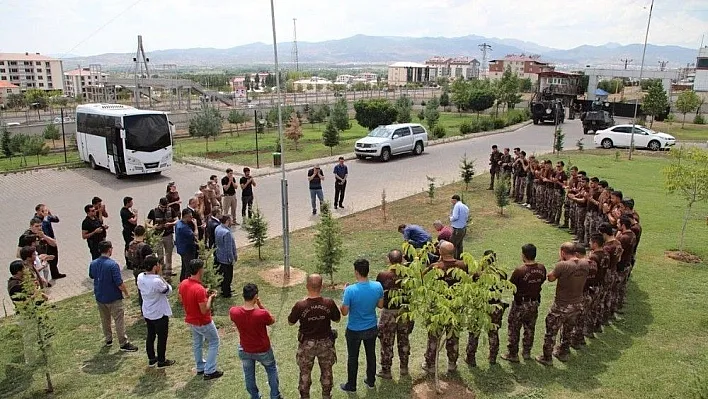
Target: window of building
[(46, 64), (41, 85), (40, 77), (14, 77), (2, 62), (13, 70), (13, 62), (27, 63), (3, 77), (28, 70), (2, 70), (39, 69), (9, 91), (37, 63), (49, 85)]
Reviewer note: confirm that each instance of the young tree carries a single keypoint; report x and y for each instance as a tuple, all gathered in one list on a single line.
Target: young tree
[(687, 102), (404, 106), (6, 142), (432, 115), (445, 100), (501, 194), (34, 145), (294, 130), (36, 314), (211, 280), (257, 81), (509, 86), (206, 123), (375, 112), (655, 102), (236, 118), (330, 136), (431, 188), (480, 100), (460, 94), (340, 115), (467, 171), (15, 101), (687, 175), (328, 243), (257, 229), (51, 132), (383, 205), (558, 140)]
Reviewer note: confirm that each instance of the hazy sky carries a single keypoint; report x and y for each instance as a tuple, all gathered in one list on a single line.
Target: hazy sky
[(86, 27)]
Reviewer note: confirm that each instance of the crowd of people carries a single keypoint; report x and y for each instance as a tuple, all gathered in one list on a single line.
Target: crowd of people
[(591, 275)]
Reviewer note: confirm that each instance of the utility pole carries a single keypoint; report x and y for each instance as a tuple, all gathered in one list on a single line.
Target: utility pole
[(140, 60), (641, 73), (484, 48), (295, 56), (626, 62), (662, 65)]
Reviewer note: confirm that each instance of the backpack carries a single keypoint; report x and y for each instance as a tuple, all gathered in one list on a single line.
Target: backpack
[(134, 255)]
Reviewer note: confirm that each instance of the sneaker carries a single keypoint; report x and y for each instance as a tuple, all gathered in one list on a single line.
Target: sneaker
[(510, 358), (345, 388), (386, 375), (335, 207), (563, 357), (128, 347), (314, 211), (341, 206), (544, 361), (200, 372), (152, 362), (58, 276), (108, 343), (404, 371), (213, 376), (369, 385), (166, 363)]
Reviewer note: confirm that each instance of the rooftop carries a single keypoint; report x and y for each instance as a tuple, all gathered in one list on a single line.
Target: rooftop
[(405, 64), (25, 57), (520, 57), (4, 84), (463, 60), (82, 71)]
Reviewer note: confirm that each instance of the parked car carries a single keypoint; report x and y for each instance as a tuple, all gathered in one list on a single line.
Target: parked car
[(620, 136), (67, 119), (388, 140)]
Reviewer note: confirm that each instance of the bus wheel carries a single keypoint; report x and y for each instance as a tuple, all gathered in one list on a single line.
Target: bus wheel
[(92, 162)]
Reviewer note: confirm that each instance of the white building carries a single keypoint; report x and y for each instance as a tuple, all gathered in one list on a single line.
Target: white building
[(700, 82), (31, 71), (402, 73), (453, 68), (77, 81), (313, 83)]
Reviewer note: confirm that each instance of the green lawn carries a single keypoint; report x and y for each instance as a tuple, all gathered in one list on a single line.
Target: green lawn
[(16, 162), (689, 132), (656, 351)]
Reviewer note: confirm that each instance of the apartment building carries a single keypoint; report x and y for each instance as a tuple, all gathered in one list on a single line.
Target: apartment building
[(561, 83), (7, 88), (31, 71), (78, 81), (365, 77), (525, 66), (453, 67), (700, 82), (402, 73)]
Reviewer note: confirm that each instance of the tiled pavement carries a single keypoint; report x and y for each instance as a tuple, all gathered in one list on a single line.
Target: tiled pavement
[(67, 191)]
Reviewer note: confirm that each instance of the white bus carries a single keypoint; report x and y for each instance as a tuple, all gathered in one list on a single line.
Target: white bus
[(123, 139)]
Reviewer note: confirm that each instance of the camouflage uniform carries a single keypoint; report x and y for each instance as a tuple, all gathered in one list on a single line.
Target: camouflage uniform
[(493, 335), (560, 318), (609, 295), (579, 213), (522, 314), (585, 325), (391, 328), (322, 349), (452, 346)]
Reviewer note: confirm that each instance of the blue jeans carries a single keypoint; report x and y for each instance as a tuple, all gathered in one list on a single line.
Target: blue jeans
[(199, 334), (314, 195), (267, 359)]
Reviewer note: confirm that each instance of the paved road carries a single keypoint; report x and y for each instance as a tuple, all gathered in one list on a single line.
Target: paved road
[(67, 191)]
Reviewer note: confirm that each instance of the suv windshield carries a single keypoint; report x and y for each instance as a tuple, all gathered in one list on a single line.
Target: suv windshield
[(147, 133), (380, 131)]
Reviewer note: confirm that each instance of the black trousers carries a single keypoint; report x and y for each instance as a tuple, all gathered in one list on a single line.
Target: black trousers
[(127, 237), (157, 329), (53, 264), (247, 202), (95, 253), (186, 258), (226, 270), (354, 341), (339, 190)]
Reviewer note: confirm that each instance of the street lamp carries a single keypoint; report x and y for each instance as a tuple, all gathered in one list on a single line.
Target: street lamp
[(283, 180), (641, 72)]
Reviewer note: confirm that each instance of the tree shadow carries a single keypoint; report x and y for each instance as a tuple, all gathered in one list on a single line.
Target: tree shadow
[(18, 376), (103, 362), (195, 388), (150, 382)]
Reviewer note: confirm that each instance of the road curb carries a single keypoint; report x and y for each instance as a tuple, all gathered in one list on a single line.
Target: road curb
[(267, 171)]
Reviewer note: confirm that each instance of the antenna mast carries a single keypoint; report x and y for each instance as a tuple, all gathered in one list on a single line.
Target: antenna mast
[(662, 65), (296, 61), (140, 61), (626, 62), (484, 48)]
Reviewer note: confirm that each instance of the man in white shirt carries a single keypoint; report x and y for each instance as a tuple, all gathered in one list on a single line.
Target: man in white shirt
[(458, 221), (156, 310)]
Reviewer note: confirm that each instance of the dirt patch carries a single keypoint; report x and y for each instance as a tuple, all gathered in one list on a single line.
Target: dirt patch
[(450, 390), (683, 256), (276, 278)]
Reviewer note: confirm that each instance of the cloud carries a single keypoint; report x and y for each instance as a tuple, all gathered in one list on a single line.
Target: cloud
[(84, 28)]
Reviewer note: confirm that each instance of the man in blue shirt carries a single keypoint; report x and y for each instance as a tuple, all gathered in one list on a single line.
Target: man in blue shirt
[(340, 182), (414, 234), (458, 221), (359, 303), (225, 255), (185, 241), (109, 290), (315, 177)]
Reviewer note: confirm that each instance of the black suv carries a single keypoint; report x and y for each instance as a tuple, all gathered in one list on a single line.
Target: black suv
[(596, 120)]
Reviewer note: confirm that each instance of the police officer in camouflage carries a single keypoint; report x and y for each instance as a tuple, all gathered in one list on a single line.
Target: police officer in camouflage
[(571, 273), (494, 165), (528, 279), (391, 327), (316, 337)]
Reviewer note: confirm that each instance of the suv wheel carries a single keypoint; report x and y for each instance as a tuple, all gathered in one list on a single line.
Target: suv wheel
[(385, 154), (92, 163), (606, 144), (418, 149)]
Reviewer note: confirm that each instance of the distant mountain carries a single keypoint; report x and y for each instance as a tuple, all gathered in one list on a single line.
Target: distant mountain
[(362, 49)]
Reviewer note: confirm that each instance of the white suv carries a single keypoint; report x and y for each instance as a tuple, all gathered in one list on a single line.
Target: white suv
[(388, 140)]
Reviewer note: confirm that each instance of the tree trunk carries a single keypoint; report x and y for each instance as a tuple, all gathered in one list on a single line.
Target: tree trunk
[(684, 120), (259, 253), (685, 223)]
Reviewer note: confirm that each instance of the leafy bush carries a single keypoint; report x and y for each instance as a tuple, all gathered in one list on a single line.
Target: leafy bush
[(465, 128), (699, 119), (439, 132), (486, 124), (499, 123), (475, 127)]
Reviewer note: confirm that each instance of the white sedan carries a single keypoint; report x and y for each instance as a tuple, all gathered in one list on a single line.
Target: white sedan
[(621, 136)]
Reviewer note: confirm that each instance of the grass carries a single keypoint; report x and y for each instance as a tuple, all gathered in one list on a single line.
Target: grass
[(690, 131), (53, 159), (657, 351)]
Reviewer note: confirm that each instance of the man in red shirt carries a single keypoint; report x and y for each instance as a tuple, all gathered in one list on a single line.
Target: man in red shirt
[(251, 320), (197, 313)]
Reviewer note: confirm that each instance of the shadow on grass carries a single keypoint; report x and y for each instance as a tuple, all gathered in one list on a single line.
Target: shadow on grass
[(103, 362), (580, 372), (18, 376), (196, 387), (151, 382)]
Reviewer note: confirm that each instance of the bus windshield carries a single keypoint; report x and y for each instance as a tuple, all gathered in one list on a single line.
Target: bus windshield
[(147, 133)]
